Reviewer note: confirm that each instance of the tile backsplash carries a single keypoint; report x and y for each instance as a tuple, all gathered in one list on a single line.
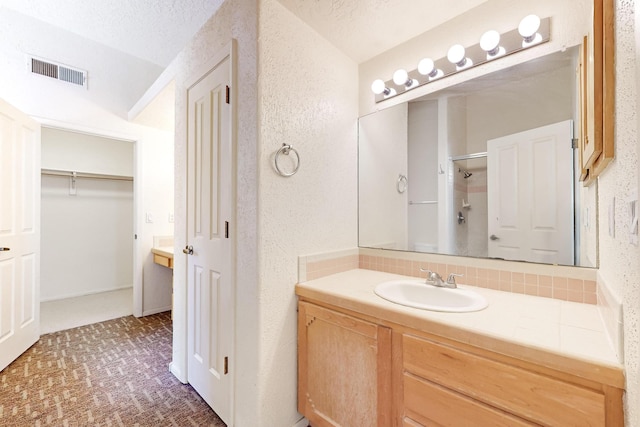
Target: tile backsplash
[(558, 282), (610, 306)]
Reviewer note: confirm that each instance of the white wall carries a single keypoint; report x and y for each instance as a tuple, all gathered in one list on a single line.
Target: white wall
[(619, 260), (77, 109), (529, 103), (156, 189), (115, 80), (382, 157), (87, 239), (423, 173), (72, 151), (315, 109), (235, 19)]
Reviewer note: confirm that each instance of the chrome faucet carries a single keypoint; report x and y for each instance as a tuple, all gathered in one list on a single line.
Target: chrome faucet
[(435, 279)]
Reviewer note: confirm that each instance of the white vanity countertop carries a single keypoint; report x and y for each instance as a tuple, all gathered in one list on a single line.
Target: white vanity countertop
[(560, 334)]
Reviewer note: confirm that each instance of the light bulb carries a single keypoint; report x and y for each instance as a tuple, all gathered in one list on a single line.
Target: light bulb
[(401, 77), (456, 55), (490, 42), (378, 87), (427, 67), (528, 28)]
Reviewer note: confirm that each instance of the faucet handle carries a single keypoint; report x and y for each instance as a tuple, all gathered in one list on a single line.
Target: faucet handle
[(431, 275), (452, 278)]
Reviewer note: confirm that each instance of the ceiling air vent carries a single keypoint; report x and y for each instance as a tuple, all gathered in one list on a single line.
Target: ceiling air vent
[(58, 71)]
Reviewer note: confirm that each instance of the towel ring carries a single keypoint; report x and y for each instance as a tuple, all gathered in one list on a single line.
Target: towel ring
[(286, 149), (401, 185)]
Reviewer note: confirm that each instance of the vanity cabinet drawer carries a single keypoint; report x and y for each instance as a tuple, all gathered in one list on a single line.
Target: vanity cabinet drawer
[(428, 404), (163, 260), (532, 396)]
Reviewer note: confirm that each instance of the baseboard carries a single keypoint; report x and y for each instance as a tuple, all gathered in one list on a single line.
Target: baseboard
[(302, 423), (84, 294), (156, 311)]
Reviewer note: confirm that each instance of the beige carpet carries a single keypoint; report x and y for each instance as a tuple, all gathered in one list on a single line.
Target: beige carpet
[(113, 373)]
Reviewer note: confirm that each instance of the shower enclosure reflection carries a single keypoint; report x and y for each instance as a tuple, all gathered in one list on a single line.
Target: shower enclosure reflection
[(440, 143)]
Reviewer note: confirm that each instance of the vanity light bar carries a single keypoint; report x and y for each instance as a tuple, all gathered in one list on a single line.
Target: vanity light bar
[(532, 31)]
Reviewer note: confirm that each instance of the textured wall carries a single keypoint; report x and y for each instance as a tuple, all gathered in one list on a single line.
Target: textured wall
[(236, 19), (308, 98), (382, 157), (620, 261)]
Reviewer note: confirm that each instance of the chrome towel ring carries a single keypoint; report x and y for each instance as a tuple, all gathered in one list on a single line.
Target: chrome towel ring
[(286, 149), (401, 185)]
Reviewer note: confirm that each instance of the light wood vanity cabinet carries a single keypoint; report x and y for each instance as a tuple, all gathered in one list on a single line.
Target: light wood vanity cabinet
[(356, 372), (344, 376), (496, 389)]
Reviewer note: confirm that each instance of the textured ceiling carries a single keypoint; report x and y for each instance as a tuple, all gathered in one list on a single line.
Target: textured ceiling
[(125, 44), (152, 30), (363, 29), (156, 30)]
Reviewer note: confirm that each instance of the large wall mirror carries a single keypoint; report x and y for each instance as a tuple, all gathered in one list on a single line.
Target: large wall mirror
[(487, 168)]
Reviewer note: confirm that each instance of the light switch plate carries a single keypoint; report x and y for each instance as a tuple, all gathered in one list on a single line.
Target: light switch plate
[(633, 206), (149, 218)]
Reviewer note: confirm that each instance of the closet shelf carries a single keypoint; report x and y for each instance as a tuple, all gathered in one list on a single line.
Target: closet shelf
[(72, 174)]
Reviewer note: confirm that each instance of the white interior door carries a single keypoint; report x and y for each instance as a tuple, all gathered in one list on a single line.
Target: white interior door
[(19, 233), (530, 197), (210, 211)]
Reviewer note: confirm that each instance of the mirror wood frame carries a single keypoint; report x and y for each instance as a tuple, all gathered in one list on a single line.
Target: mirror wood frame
[(597, 89)]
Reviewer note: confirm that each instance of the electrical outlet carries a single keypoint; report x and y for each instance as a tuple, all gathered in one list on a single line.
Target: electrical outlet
[(171, 218)]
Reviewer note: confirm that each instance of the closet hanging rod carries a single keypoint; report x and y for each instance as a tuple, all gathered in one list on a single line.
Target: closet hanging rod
[(424, 202), (70, 174), (469, 156)]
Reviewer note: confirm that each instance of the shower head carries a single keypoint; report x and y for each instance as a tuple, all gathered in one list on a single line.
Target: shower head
[(466, 174)]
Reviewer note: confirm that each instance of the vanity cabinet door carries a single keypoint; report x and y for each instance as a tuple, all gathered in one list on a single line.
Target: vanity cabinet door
[(344, 369)]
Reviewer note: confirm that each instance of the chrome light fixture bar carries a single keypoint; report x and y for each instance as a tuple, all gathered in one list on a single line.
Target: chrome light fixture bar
[(531, 31)]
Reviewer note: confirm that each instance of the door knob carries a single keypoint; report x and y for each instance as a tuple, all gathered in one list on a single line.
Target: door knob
[(188, 250), (494, 237), (4, 249)]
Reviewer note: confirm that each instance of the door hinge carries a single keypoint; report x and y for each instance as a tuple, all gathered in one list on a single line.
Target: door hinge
[(574, 143), (226, 365), (228, 98), (226, 229)]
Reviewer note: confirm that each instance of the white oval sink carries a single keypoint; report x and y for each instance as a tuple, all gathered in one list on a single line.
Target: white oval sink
[(418, 294)]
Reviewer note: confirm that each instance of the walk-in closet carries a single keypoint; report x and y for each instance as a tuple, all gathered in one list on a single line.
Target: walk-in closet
[(87, 220)]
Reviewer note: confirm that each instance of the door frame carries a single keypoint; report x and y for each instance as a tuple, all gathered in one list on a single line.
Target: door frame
[(138, 259), (179, 365)]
